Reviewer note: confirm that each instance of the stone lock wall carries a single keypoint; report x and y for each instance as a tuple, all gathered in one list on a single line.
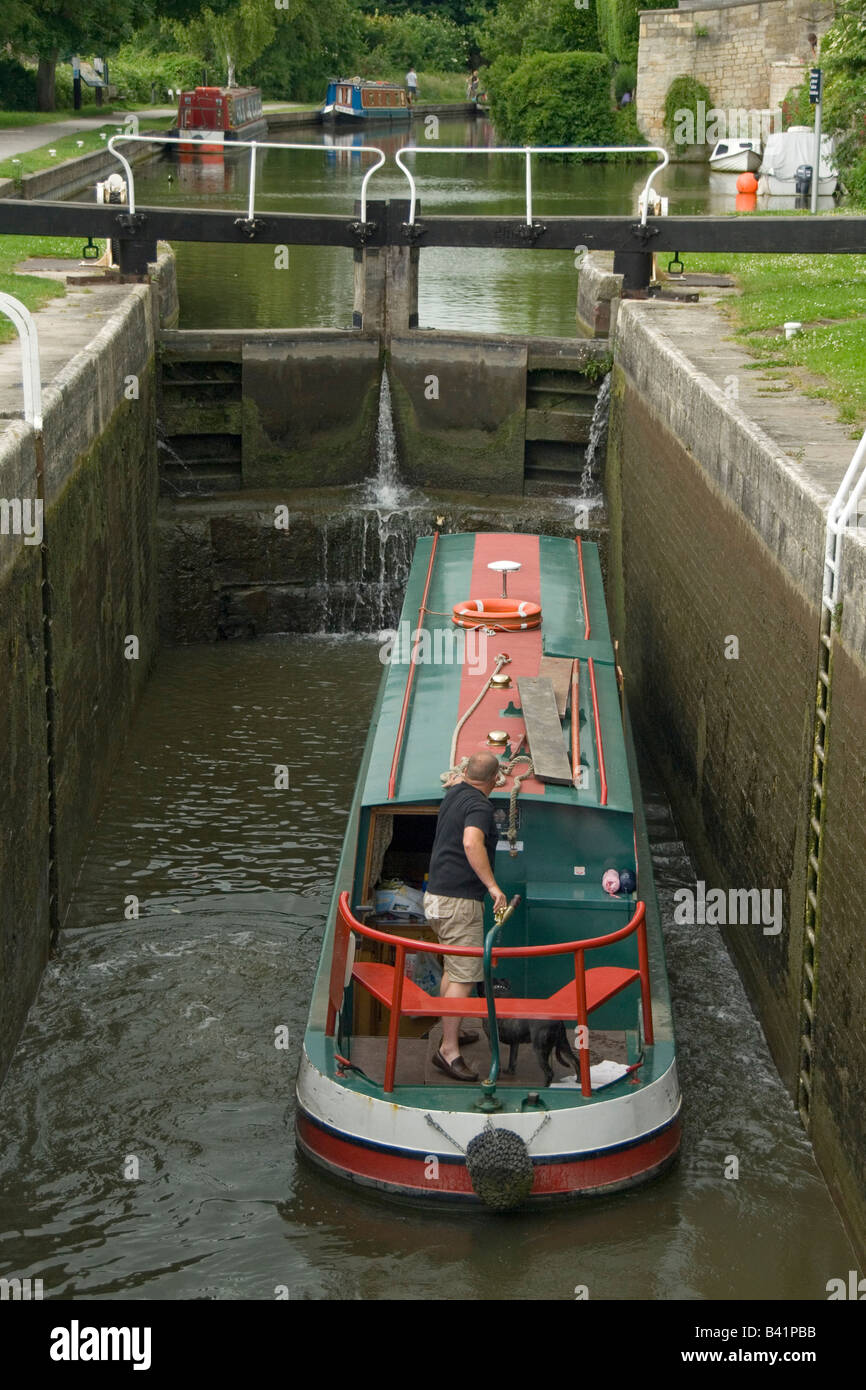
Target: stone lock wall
[(733, 49), (713, 534), (98, 482)]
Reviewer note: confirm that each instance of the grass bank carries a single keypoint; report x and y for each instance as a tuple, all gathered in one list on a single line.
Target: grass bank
[(432, 86), (32, 290), (827, 294), (68, 146)]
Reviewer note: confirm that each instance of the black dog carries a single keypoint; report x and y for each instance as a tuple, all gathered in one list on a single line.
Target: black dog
[(546, 1036)]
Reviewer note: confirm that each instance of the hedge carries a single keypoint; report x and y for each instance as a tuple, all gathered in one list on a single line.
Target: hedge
[(618, 25), (556, 99)]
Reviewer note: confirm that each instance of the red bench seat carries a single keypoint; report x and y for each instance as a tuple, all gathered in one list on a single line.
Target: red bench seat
[(602, 983)]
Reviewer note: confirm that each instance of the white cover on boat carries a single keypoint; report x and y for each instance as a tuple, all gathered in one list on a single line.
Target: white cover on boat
[(787, 150)]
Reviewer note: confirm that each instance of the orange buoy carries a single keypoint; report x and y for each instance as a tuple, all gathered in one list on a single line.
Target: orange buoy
[(747, 183), (502, 614), (746, 202)]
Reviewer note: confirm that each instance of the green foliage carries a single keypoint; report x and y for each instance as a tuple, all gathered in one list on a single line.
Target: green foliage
[(843, 58), (313, 42), (462, 12), (558, 99), (627, 133), (618, 26), (518, 28), (796, 108), (17, 85), (624, 80), (597, 368), (683, 94), (231, 38), (136, 68), (424, 41)]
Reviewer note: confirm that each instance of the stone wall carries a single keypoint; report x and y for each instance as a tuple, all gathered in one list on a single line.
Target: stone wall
[(227, 572), (81, 172), (730, 48), (98, 483), (713, 534), (24, 911), (599, 292)]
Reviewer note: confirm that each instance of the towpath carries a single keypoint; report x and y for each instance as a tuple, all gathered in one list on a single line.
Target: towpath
[(65, 326), (18, 140), (805, 427)]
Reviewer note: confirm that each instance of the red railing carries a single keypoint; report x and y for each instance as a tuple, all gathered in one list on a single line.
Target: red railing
[(575, 723), (602, 773), (401, 728), (347, 922), (586, 626)]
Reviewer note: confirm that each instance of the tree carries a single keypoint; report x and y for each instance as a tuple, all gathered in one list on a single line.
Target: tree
[(236, 31), (843, 59), (520, 27), (58, 28)]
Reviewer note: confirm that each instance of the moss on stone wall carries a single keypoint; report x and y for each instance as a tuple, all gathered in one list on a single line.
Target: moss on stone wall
[(100, 539)]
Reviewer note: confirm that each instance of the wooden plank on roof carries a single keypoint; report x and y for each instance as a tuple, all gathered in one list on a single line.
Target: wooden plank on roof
[(544, 730), (557, 669)]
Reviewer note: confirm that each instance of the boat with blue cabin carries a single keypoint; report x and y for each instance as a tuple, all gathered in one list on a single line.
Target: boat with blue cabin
[(590, 1102), (353, 99)]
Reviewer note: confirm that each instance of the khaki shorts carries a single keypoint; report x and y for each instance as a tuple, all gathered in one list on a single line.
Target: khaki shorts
[(458, 922)]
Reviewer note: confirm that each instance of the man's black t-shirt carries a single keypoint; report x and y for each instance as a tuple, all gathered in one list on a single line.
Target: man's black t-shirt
[(451, 874)]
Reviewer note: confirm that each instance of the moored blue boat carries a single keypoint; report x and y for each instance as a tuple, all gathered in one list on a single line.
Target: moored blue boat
[(581, 946), (350, 100)]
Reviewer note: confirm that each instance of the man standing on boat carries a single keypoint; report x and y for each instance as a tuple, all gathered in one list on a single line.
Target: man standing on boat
[(460, 876)]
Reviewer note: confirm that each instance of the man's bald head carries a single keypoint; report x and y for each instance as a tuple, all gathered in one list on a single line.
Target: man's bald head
[(482, 769)]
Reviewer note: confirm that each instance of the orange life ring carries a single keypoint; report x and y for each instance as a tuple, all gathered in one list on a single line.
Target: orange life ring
[(503, 614)]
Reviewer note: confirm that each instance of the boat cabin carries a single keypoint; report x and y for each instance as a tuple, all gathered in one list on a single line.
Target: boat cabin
[(356, 99), (221, 113)]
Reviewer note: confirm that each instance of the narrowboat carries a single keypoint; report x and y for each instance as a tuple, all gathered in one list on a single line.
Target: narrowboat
[(532, 674), (349, 100), (209, 118)]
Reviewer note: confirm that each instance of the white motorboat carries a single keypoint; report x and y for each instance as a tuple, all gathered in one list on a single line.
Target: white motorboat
[(736, 157), (786, 152)]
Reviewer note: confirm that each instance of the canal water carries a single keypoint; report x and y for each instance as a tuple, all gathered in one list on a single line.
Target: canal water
[(486, 290), (148, 1115)]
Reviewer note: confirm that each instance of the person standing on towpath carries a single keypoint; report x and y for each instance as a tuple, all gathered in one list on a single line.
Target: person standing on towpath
[(412, 84), (460, 876)]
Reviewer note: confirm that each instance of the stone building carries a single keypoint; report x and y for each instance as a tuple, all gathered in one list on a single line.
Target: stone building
[(748, 53)]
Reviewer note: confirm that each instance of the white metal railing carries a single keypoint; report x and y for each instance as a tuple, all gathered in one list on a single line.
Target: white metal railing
[(253, 146), (30, 373), (527, 151), (851, 489)]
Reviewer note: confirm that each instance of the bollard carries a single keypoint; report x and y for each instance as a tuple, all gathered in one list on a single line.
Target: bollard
[(636, 268)]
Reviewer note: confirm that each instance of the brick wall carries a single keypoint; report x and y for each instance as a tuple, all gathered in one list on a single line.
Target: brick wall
[(733, 58)]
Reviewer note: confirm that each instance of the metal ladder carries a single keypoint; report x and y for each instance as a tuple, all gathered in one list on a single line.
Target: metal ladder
[(852, 487)]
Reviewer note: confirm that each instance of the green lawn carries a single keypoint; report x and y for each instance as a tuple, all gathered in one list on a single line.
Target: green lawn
[(85, 142), (827, 294), (33, 291)]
